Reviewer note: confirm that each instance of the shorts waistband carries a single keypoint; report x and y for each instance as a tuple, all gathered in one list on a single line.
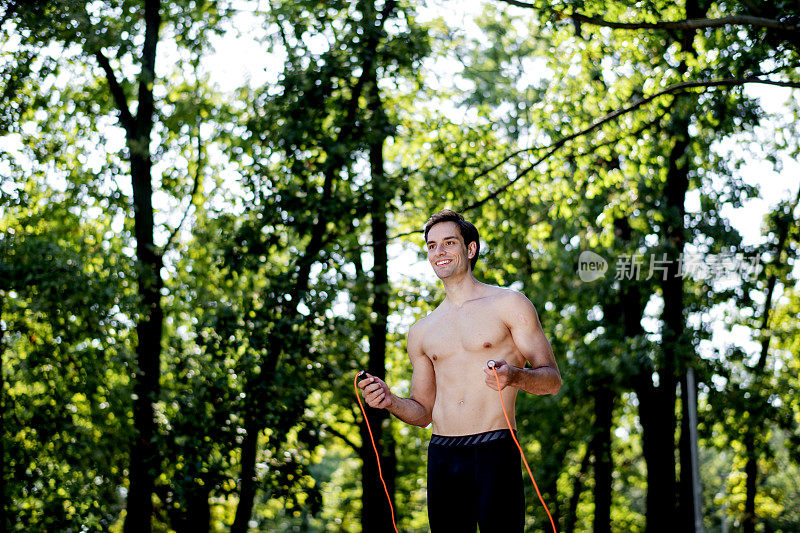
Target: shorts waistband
[(470, 440)]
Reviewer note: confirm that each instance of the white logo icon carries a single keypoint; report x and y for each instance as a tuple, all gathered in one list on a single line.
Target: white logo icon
[(591, 266)]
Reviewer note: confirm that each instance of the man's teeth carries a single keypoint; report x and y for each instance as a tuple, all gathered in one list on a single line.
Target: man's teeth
[(443, 262)]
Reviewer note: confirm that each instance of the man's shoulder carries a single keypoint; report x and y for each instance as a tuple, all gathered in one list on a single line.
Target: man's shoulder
[(421, 324), (419, 327), (509, 302), (506, 296)]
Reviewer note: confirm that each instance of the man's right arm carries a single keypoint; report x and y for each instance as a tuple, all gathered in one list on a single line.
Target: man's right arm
[(418, 407)]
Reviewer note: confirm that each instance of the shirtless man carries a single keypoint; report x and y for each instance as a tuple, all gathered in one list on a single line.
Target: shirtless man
[(474, 474)]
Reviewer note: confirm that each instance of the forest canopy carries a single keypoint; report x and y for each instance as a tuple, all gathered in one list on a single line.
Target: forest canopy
[(210, 221)]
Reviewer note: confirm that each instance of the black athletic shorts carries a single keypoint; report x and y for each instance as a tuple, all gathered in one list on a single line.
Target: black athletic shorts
[(475, 480)]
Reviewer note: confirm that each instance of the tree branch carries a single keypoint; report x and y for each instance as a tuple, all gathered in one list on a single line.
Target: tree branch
[(197, 171), (593, 148), (336, 160), (675, 88), (342, 436), (116, 92), (195, 187), (686, 24), (784, 225), (147, 77), (551, 149), (690, 24)]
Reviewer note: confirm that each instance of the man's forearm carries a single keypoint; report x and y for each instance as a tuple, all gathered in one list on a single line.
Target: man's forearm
[(542, 380), (410, 411)]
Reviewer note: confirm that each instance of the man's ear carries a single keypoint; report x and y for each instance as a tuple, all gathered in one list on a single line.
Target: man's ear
[(472, 249)]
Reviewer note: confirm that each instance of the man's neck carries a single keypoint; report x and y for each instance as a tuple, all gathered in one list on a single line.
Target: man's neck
[(460, 289)]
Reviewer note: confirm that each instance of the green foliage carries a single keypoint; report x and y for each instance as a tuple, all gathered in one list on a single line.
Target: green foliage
[(265, 198), (65, 354)]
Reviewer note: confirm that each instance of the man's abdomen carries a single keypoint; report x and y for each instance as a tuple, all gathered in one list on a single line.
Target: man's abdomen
[(468, 411)]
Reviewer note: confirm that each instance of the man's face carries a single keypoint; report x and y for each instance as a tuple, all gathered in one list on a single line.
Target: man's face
[(447, 252)]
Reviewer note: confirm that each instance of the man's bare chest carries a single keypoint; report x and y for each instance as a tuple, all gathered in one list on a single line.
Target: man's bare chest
[(464, 331)]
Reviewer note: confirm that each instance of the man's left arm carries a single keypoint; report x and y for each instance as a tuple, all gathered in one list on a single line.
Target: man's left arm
[(521, 318)]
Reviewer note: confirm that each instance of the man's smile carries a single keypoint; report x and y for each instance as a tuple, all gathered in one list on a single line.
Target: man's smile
[(442, 262)]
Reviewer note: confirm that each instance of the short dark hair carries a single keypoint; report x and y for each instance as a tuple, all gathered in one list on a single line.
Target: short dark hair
[(468, 232)]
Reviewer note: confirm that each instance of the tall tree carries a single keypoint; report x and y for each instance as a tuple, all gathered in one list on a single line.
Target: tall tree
[(94, 36), (326, 120)]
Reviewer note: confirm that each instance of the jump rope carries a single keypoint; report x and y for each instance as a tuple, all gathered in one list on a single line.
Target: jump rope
[(491, 365)]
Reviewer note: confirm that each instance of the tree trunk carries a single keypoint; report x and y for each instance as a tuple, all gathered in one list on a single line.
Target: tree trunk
[(603, 464), (144, 455), (333, 165), (751, 483), (198, 510), (630, 319), (656, 411), (376, 514), (678, 351), (677, 354), (247, 477), (690, 508), (258, 384), (658, 449), (672, 338), (194, 513), (785, 221)]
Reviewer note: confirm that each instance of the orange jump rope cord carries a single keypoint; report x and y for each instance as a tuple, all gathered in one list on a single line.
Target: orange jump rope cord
[(521, 453), (377, 457)]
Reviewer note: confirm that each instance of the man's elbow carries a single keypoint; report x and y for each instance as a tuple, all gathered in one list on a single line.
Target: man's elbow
[(424, 414), (424, 421), (556, 385)]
